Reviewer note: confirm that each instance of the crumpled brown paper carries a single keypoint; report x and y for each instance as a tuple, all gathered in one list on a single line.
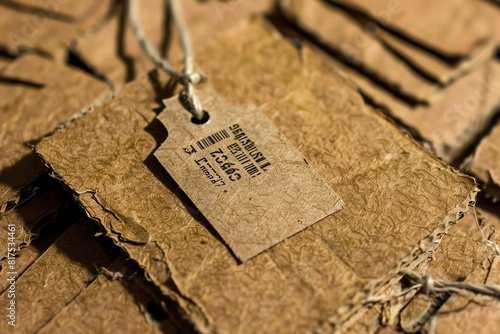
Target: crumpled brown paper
[(399, 199)]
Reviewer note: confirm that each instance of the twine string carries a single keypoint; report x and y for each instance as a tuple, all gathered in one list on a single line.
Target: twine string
[(187, 77), (430, 286)]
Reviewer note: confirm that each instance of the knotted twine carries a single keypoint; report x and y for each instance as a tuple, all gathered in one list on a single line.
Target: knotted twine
[(187, 77)]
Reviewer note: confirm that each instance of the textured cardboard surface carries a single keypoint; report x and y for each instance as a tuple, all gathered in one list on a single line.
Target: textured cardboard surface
[(57, 277), (44, 95), (485, 163), (114, 51), (36, 29), (65, 10), (279, 196), (458, 256), (399, 197), (357, 46), (451, 28), (430, 65), (475, 314), (459, 115), (106, 306), (28, 217)]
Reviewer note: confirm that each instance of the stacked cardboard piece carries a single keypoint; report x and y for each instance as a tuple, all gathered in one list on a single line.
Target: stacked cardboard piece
[(403, 207), (383, 177), (385, 48)]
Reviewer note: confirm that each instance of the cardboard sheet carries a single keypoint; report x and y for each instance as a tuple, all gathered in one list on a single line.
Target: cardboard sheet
[(4, 61), (400, 199), (475, 314), (63, 10), (452, 28), (27, 218), (36, 29), (429, 64), (43, 94), (460, 256), (108, 305), (458, 117), (485, 162), (357, 47), (114, 51), (55, 279)]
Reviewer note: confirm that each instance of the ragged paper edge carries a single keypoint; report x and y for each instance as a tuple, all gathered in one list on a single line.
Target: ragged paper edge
[(343, 317), (174, 301), (15, 193), (483, 173), (185, 312), (394, 87), (349, 312)]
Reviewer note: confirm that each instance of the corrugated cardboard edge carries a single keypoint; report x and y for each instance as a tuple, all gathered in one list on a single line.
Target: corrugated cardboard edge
[(175, 303), (420, 255), (185, 313)]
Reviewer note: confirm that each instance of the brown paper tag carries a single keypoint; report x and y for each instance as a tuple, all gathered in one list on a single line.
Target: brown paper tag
[(252, 185)]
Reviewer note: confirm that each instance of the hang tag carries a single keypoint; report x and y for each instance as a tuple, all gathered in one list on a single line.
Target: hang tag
[(252, 185)]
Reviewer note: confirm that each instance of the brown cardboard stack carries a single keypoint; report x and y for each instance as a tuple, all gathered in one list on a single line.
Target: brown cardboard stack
[(94, 130), (46, 26), (453, 114), (399, 199)]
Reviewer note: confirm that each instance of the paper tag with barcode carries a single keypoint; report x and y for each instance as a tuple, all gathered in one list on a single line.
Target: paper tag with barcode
[(249, 182)]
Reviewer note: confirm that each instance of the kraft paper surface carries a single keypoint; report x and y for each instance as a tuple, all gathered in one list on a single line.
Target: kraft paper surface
[(485, 162), (400, 200), (244, 176), (52, 281), (28, 27), (451, 28), (357, 47), (44, 95)]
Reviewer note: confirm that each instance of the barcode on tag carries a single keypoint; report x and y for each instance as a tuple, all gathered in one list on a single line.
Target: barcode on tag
[(212, 139)]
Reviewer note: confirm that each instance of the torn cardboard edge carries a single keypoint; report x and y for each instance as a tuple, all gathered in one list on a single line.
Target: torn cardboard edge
[(184, 312), (397, 29), (483, 162), (120, 278), (201, 312), (351, 310), (348, 314), (412, 87)]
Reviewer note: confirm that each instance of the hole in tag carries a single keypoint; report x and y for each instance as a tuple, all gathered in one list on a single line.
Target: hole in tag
[(204, 119)]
